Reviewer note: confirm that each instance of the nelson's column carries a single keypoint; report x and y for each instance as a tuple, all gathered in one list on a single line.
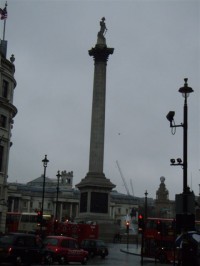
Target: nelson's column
[(95, 187)]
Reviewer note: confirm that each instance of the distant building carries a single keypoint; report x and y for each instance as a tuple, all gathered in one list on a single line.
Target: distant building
[(122, 205), (164, 208), (28, 198), (7, 113)]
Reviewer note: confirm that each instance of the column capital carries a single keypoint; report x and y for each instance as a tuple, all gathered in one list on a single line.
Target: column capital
[(100, 52)]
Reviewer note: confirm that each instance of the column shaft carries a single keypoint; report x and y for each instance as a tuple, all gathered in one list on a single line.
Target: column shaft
[(98, 119)]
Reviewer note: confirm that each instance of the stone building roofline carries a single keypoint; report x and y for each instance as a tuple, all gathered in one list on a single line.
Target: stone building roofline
[(39, 180)]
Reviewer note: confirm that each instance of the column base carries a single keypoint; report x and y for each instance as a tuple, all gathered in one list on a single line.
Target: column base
[(95, 180)]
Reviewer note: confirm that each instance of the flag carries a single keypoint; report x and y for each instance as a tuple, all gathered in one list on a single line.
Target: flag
[(3, 13)]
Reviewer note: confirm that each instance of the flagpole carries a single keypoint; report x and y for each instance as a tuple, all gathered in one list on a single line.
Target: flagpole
[(4, 25)]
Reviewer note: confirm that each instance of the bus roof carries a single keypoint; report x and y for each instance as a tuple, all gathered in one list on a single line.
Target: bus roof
[(160, 219)]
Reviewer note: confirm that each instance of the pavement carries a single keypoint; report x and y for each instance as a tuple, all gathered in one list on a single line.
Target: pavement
[(136, 250), (132, 249)]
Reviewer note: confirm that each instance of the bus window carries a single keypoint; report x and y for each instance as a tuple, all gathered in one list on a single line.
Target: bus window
[(29, 223)]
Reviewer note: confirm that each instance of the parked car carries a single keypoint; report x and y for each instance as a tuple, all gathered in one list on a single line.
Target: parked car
[(95, 247), (65, 249), (20, 248)]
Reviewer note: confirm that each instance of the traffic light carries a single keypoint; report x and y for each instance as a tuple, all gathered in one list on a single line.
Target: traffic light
[(140, 223), (127, 226), (55, 225), (39, 217), (159, 227)]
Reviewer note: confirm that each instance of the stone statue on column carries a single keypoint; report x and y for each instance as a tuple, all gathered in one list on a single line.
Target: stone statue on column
[(101, 34)]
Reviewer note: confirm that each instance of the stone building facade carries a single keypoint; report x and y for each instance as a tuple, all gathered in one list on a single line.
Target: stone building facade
[(7, 113), (28, 197)]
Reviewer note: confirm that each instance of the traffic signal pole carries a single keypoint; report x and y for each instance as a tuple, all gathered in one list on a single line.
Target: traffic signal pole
[(141, 231), (127, 232)]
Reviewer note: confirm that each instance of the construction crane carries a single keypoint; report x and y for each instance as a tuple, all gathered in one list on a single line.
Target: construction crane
[(124, 181), (131, 183)]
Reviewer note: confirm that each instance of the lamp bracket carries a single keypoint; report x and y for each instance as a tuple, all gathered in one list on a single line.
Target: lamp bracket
[(181, 125), (175, 164)]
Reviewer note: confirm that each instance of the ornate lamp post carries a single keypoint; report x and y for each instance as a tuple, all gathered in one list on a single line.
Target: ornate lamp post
[(45, 162), (58, 180)]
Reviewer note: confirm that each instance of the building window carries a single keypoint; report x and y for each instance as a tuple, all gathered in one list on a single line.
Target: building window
[(119, 210), (5, 89), (1, 158), (24, 204), (3, 121), (15, 203), (49, 206)]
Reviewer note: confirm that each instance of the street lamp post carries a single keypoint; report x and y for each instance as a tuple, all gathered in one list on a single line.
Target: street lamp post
[(145, 207), (144, 226), (185, 90), (45, 162), (57, 189)]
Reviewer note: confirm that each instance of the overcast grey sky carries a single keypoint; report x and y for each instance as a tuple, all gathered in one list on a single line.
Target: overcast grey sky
[(156, 46)]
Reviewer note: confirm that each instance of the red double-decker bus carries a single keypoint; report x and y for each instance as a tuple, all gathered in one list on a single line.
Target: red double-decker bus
[(27, 222), (159, 237), (79, 231), (23, 222)]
